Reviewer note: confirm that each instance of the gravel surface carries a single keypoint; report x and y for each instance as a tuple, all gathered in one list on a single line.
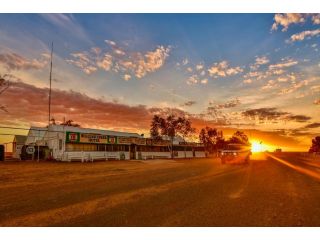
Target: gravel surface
[(198, 192)]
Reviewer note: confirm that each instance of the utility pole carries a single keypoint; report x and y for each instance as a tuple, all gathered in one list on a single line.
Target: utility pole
[(50, 78)]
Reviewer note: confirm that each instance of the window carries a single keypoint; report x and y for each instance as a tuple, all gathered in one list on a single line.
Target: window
[(73, 147)]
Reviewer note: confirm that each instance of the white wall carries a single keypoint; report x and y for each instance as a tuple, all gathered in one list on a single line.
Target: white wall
[(151, 155), (200, 154), (52, 139), (184, 154), (91, 156), (17, 151), (181, 154)]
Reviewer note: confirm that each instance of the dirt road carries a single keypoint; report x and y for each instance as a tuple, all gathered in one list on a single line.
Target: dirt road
[(199, 192)]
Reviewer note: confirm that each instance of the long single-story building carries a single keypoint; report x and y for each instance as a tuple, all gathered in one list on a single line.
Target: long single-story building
[(68, 143)]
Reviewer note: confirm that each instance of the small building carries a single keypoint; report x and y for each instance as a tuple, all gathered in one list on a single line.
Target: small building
[(68, 143), (17, 145), (35, 134)]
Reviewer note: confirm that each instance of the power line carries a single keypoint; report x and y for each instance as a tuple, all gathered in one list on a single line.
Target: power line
[(31, 129)]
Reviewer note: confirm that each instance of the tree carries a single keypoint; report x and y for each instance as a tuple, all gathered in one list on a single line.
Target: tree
[(186, 131), (210, 137), (4, 85), (240, 138), (170, 126), (53, 121), (156, 126), (315, 147), (70, 123)]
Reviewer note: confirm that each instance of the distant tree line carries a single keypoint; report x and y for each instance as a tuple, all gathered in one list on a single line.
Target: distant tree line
[(172, 126)]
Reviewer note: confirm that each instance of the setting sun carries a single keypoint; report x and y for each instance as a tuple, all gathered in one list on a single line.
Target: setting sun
[(256, 147), (259, 146)]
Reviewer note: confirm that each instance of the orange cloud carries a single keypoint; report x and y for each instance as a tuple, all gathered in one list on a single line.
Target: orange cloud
[(118, 60), (222, 69), (302, 35), (14, 61), (286, 19)]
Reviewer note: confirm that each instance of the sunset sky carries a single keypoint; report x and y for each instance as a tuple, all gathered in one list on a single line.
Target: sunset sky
[(255, 72)]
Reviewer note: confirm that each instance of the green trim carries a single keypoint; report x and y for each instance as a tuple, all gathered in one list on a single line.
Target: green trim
[(72, 137)]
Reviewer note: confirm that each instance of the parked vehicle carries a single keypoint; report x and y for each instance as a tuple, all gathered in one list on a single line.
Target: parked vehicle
[(235, 153)]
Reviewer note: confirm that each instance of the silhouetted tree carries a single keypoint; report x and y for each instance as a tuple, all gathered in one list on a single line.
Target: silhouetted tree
[(239, 137), (53, 121), (157, 124), (170, 126), (211, 138), (315, 147), (4, 85), (70, 123)]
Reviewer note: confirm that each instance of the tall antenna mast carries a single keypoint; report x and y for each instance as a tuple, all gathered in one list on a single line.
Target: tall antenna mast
[(50, 86)]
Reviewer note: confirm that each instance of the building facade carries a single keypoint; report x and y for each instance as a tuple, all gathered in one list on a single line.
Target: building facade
[(67, 143)]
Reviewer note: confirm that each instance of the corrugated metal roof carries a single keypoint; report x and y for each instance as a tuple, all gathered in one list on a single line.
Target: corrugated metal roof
[(20, 139), (35, 134), (90, 130)]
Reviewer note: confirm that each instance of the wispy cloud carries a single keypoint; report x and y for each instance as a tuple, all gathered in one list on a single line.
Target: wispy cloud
[(83, 61), (222, 69), (259, 61), (273, 114), (119, 60), (294, 86), (229, 104), (14, 61), (302, 35), (283, 64), (193, 80), (68, 23), (204, 81), (247, 81)]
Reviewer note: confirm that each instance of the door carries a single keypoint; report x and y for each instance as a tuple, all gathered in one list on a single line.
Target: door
[(132, 151)]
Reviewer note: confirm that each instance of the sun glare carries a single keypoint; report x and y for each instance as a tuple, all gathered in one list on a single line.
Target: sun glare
[(256, 146)]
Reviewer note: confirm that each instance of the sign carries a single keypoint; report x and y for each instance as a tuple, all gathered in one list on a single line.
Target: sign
[(160, 142), (112, 140), (30, 149), (75, 137), (193, 144), (131, 140)]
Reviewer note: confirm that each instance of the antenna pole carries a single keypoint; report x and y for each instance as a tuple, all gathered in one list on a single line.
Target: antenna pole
[(50, 78)]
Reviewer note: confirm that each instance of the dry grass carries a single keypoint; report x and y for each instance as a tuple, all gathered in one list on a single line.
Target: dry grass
[(44, 194)]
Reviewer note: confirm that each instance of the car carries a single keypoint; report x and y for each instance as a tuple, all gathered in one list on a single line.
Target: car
[(235, 154)]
